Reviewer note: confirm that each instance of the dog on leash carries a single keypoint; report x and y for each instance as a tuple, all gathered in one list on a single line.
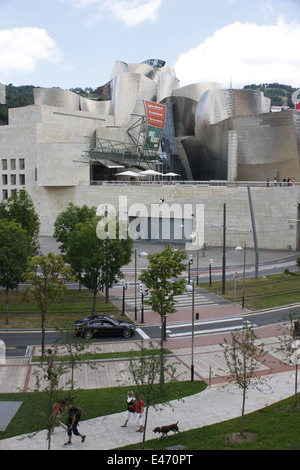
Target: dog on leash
[(164, 430)]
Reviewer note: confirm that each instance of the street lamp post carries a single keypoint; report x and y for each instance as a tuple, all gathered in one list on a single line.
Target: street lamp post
[(135, 280), (239, 248), (142, 254), (191, 288), (210, 262), (190, 262), (125, 286)]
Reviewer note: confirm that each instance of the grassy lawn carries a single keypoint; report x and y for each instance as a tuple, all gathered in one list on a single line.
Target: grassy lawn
[(263, 292), (74, 305), (276, 427), (94, 403)]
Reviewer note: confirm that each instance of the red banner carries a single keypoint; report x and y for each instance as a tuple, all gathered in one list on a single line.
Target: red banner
[(156, 114)]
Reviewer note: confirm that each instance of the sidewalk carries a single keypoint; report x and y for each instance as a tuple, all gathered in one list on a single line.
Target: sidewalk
[(219, 402), (213, 405)]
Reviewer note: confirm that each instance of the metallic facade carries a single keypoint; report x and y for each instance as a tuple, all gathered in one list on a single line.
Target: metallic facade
[(202, 120), (266, 144)]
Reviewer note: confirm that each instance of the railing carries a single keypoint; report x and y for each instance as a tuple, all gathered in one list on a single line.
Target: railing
[(231, 184)]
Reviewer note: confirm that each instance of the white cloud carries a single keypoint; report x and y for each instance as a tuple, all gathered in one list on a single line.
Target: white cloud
[(22, 48), (130, 12), (135, 11), (246, 53)]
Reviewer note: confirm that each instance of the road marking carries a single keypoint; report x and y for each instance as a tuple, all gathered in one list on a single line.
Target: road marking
[(181, 325), (209, 331), (142, 333), (271, 310)]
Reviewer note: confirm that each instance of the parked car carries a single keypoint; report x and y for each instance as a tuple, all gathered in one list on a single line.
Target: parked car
[(89, 318), (101, 325)]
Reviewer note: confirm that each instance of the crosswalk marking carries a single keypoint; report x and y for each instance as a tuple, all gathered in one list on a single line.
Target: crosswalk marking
[(142, 333), (182, 301), (225, 320), (206, 331)]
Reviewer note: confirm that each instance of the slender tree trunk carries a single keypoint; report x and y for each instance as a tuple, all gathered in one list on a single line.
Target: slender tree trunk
[(6, 306), (43, 313), (162, 375), (145, 426), (243, 411), (296, 379), (43, 331), (94, 302)]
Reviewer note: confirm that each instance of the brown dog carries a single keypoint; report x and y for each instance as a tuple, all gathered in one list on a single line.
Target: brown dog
[(165, 429)]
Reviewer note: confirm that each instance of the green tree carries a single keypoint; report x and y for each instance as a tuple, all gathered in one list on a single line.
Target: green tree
[(290, 344), (72, 348), (161, 277), (14, 252), (47, 275), (243, 356), (66, 221), (144, 372), (19, 207), (97, 262)]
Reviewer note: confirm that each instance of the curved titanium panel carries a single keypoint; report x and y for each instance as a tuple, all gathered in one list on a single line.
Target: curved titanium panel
[(202, 166), (127, 89), (56, 97), (104, 92), (296, 116), (267, 145), (196, 90), (95, 107), (218, 105), (119, 67), (184, 114), (267, 139), (165, 85)]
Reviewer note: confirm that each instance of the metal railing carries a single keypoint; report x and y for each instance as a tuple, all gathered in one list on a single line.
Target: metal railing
[(163, 182)]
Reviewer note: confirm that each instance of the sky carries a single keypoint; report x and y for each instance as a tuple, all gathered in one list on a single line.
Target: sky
[(76, 43)]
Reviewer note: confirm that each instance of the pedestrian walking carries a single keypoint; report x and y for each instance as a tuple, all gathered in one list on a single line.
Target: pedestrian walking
[(74, 415), (131, 404), (139, 409)]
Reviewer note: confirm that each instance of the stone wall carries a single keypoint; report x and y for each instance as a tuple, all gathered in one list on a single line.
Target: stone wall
[(275, 208)]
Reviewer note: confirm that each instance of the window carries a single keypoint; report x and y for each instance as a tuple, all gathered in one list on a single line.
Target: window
[(4, 179), (12, 163), (21, 164), (4, 194), (13, 179), (22, 179), (4, 164)]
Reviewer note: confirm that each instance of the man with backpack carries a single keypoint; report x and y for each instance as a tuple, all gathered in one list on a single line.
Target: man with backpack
[(74, 415)]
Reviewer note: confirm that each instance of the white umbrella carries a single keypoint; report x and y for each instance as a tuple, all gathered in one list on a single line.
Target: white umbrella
[(171, 174), (150, 172), (127, 173)]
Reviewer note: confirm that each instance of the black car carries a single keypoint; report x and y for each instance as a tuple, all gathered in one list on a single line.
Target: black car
[(101, 325), (84, 321)]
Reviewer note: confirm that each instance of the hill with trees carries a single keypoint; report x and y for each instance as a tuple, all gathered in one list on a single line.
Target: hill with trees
[(18, 96), (280, 95)]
